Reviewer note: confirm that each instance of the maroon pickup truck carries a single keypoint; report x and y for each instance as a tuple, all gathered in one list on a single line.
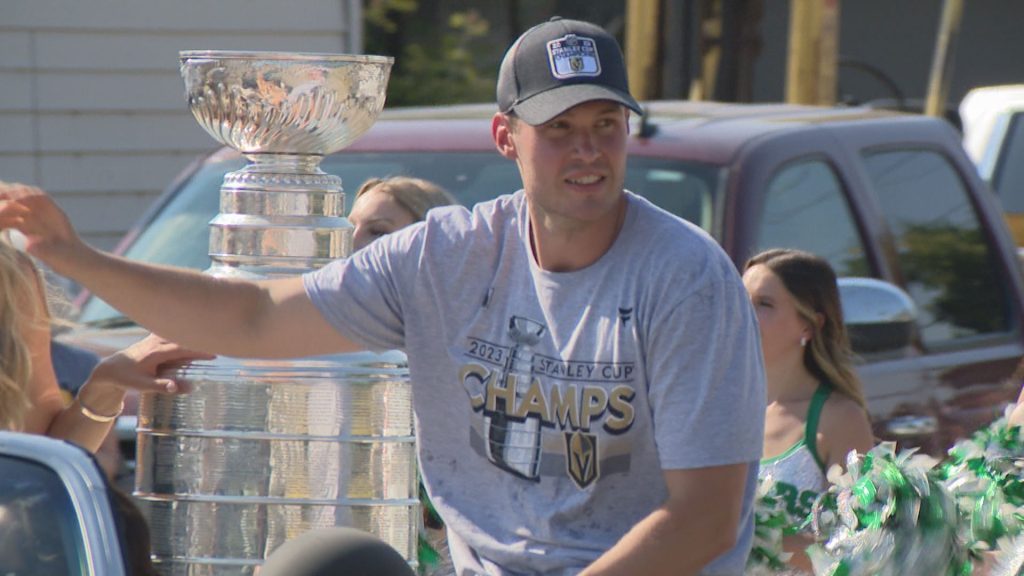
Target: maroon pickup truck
[(886, 197)]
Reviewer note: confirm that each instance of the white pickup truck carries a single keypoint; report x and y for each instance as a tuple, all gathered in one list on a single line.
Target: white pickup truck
[(993, 121)]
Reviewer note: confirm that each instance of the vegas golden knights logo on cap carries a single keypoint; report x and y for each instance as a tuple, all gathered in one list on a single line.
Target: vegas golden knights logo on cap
[(573, 56)]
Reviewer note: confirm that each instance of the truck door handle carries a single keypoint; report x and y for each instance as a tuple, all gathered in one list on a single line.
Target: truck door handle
[(912, 425)]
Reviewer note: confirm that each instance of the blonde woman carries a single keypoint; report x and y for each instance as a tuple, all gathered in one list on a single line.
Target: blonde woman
[(816, 413), (384, 205), (30, 399)]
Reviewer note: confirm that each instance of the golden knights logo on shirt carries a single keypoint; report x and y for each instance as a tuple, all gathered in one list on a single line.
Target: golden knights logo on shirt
[(535, 407), (581, 457)]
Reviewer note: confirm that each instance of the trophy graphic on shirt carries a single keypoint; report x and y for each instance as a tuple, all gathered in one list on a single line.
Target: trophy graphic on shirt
[(514, 444)]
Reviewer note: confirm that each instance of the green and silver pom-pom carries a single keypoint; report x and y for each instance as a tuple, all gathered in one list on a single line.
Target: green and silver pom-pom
[(887, 516), (986, 473), (771, 521), (432, 544), (1009, 557)]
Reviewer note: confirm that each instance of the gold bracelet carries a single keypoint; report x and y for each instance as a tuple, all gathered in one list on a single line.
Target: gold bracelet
[(99, 417)]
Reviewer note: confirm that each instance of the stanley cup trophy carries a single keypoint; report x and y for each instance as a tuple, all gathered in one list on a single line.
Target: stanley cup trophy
[(257, 452)]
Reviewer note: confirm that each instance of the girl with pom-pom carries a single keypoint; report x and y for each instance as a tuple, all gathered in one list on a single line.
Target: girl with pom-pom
[(816, 413)]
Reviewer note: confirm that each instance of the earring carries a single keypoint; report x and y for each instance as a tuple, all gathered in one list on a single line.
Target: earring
[(803, 341)]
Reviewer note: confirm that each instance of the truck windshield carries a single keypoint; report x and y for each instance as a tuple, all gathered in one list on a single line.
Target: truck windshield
[(178, 234)]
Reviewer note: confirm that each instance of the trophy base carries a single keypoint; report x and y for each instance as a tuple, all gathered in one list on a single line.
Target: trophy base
[(254, 453)]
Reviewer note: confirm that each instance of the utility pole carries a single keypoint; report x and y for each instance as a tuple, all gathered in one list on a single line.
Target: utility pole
[(710, 41), (680, 21), (942, 61), (643, 24), (813, 49), (703, 49)]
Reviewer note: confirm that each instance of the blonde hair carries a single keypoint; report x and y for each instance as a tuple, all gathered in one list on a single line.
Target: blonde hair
[(415, 195), (812, 282), (18, 308)]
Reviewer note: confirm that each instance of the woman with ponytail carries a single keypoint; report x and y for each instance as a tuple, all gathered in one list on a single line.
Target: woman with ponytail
[(815, 407)]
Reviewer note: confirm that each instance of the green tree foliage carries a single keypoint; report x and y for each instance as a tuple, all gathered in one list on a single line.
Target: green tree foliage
[(380, 13), (455, 64)]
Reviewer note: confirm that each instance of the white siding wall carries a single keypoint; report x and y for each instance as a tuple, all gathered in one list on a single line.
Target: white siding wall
[(91, 102)]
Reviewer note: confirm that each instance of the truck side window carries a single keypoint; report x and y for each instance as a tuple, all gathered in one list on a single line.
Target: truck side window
[(805, 208), (947, 266)]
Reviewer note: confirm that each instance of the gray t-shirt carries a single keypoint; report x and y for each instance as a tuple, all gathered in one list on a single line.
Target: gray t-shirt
[(548, 404)]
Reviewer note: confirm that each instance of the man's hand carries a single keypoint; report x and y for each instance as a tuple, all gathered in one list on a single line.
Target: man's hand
[(47, 230)]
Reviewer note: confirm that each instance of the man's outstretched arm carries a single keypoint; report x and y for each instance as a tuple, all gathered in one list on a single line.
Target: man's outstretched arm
[(271, 319), (697, 523)]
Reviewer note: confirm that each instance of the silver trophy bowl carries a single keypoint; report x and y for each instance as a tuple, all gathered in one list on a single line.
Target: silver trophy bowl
[(255, 453), (284, 103), (281, 214)]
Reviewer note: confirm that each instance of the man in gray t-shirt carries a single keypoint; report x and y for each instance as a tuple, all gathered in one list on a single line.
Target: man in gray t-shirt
[(587, 377), (551, 405)]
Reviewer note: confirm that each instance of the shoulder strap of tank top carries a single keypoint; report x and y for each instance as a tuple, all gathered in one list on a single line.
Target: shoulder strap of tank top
[(813, 415)]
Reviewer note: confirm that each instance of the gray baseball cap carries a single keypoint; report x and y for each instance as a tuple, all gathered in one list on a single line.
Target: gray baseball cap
[(559, 64)]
